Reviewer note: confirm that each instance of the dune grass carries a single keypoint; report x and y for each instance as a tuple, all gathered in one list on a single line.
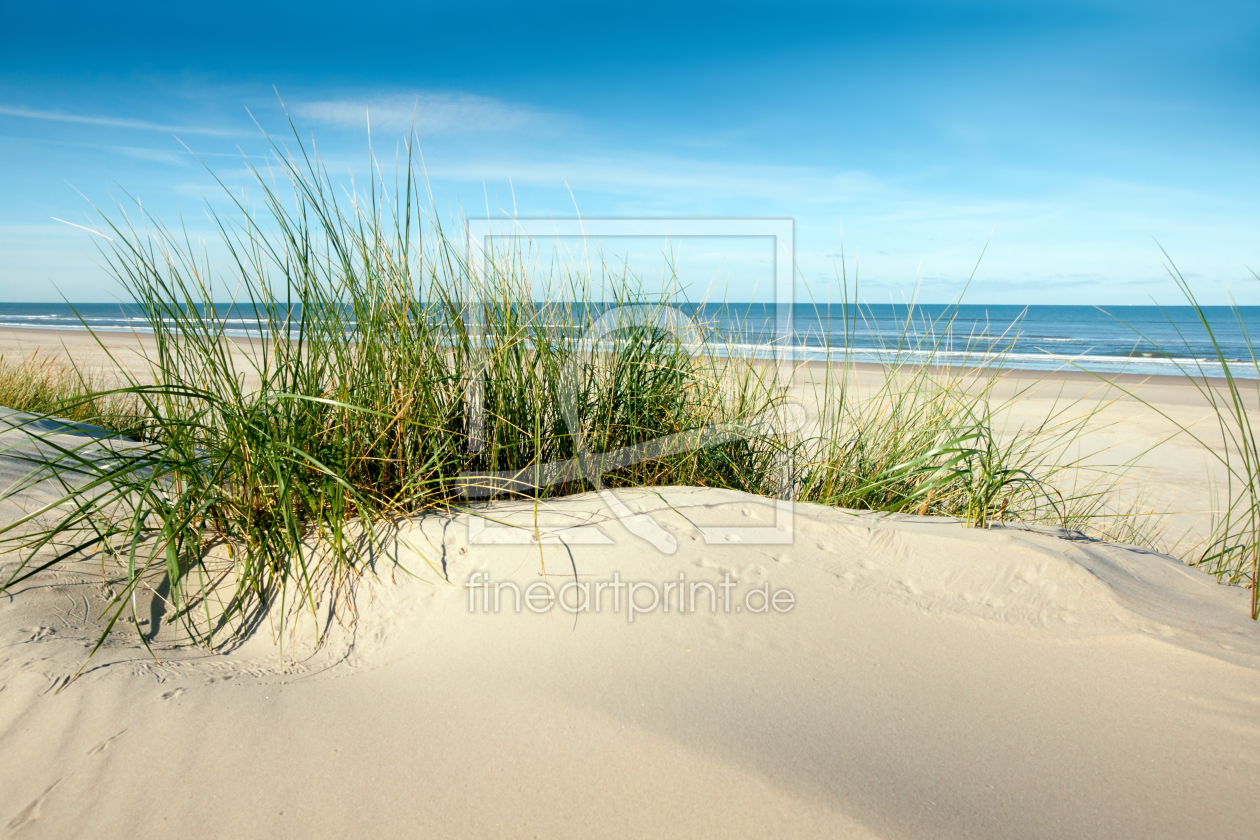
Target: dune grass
[(289, 451), (1232, 550), (381, 372), (46, 386)]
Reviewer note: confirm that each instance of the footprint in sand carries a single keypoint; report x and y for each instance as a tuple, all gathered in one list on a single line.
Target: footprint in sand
[(30, 813), (38, 634), (172, 694), (100, 748)]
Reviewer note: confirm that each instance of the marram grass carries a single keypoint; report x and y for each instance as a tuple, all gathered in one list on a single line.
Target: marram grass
[(42, 385), (381, 369), (1232, 550)]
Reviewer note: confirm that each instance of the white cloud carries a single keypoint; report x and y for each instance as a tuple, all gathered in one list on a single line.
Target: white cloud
[(428, 113), (670, 179), (113, 122)]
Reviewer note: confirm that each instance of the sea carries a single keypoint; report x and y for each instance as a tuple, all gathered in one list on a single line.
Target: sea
[(1124, 339)]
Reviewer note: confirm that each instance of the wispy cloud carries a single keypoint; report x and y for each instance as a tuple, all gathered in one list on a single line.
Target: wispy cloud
[(173, 156), (427, 113), (669, 179), (113, 122)]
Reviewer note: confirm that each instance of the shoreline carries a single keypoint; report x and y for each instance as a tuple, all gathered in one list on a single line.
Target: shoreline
[(1074, 376), (22, 340)]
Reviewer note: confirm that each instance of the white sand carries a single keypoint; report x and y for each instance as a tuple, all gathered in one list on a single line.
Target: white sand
[(929, 681)]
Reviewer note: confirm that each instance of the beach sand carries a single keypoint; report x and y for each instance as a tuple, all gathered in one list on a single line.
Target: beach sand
[(920, 679)]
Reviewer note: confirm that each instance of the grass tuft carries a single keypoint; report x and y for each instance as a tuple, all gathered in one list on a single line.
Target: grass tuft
[(380, 371), (45, 386)]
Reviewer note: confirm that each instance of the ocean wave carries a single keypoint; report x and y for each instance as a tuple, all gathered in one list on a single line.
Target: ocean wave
[(1057, 338)]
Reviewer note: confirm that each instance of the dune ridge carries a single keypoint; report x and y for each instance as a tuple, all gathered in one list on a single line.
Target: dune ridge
[(928, 680)]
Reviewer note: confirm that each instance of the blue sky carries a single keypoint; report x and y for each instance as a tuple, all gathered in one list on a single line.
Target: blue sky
[(1078, 133)]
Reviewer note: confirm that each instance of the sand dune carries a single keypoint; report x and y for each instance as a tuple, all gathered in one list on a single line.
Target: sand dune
[(876, 676), (926, 681)]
